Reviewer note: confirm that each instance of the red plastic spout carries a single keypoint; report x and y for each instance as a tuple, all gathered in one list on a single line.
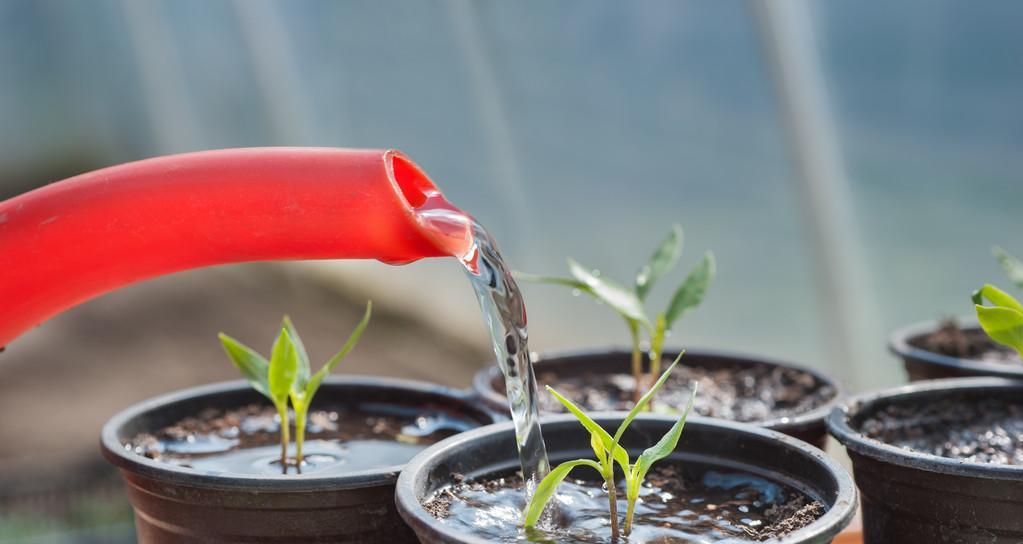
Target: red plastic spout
[(70, 241)]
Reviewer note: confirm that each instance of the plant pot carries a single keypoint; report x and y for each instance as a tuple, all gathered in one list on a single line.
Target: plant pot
[(724, 445), (909, 496), (927, 364), (806, 425), (174, 504)]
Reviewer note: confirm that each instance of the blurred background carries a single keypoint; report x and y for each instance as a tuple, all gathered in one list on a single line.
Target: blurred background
[(850, 163)]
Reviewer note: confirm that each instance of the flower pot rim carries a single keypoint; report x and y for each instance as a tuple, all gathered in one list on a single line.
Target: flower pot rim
[(789, 424), (838, 515), (899, 344), (131, 462), (857, 442)]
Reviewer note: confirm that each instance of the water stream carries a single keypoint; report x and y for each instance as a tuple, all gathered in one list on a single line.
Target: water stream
[(505, 315)]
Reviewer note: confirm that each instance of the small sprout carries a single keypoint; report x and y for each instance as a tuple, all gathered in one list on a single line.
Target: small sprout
[(628, 302), (287, 376), (608, 452), (1003, 321)]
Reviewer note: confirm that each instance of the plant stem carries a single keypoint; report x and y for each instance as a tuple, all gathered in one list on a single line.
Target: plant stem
[(282, 411), (655, 364), (612, 497), (637, 363), (629, 510), (300, 417)]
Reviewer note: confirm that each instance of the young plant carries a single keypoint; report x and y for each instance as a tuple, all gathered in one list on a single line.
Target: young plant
[(1003, 321), (628, 302), (608, 453), (287, 376)]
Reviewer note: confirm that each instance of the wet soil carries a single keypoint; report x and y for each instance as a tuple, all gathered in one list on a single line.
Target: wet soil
[(247, 440), (986, 430), (678, 504), (739, 393), (965, 343)]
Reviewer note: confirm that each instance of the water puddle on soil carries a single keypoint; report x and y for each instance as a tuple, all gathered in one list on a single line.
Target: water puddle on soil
[(246, 441), (690, 503)]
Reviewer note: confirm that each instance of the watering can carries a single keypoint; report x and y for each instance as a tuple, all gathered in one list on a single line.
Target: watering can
[(72, 240)]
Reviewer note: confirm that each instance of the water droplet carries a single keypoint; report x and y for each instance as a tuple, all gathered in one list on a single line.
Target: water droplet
[(512, 343)]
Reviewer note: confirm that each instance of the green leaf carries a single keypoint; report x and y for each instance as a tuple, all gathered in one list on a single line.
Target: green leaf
[(1012, 266), (663, 259), (997, 297), (619, 454), (283, 367), (353, 339), (691, 292), (618, 298), (645, 399), (1003, 325), (302, 371), (554, 280), (253, 366), (665, 445), (545, 490), (597, 445)]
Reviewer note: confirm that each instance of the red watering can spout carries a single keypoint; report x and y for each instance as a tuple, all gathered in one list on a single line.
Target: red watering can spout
[(70, 241)]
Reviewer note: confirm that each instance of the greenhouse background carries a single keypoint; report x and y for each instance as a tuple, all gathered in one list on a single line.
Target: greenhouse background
[(571, 129)]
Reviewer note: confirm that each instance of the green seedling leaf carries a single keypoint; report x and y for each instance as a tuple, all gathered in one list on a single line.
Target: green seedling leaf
[(605, 440), (997, 297), (1003, 325), (545, 490), (302, 371), (641, 405), (690, 294), (665, 445), (554, 280), (662, 261), (353, 339), (253, 366), (283, 367), (618, 298), (1012, 266)]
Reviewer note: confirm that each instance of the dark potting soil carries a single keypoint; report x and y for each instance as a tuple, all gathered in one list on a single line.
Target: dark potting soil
[(687, 503), (738, 393), (952, 340), (246, 440), (985, 430)]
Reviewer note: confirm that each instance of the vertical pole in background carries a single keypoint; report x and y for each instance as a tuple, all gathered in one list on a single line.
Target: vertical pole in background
[(171, 115), (505, 175), (277, 73), (850, 316)]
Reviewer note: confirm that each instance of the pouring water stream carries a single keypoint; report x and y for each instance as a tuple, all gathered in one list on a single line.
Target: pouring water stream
[(504, 313)]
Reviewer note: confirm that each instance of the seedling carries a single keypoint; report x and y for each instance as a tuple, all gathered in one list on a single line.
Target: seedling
[(628, 302), (608, 452), (287, 376), (1003, 320)]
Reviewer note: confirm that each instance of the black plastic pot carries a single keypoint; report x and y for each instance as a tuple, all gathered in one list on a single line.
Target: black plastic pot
[(491, 450), (916, 497), (922, 364), (809, 426), (180, 505)]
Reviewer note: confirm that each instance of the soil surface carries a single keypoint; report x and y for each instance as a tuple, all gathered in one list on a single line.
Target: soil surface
[(965, 343), (677, 505), (739, 393), (247, 440), (979, 430)]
